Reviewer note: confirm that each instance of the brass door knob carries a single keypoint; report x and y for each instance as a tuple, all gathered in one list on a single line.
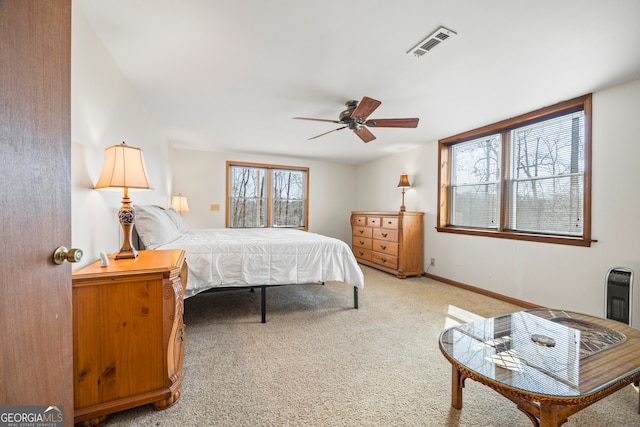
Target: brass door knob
[(62, 254)]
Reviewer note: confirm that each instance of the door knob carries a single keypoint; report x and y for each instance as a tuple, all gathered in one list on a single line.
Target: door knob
[(63, 254)]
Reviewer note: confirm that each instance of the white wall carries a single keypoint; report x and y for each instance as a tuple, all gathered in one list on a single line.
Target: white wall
[(106, 111), (551, 275), (201, 176)]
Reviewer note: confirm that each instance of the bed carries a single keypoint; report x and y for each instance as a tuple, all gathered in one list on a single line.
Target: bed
[(255, 258)]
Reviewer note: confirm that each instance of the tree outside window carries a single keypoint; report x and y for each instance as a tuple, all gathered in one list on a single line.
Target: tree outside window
[(266, 196), (247, 197), (288, 206)]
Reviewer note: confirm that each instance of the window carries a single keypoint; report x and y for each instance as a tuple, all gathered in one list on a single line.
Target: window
[(525, 178), (261, 195)]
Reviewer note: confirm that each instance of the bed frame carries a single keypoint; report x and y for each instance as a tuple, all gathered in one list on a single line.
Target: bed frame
[(263, 295)]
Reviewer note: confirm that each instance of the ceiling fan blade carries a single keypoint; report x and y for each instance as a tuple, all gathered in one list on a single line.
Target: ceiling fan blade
[(364, 134), (393, 123), (316, 120), (323, 134), (365, 108)]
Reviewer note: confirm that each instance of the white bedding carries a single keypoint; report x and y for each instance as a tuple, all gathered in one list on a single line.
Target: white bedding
[(224, 257)]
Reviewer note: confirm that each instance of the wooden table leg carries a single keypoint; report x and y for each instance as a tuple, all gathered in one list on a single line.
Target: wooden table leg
[(457, 381), (554, 415), (548, 417)]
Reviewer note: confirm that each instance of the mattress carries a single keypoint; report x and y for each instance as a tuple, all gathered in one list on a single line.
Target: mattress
[(232, 257)]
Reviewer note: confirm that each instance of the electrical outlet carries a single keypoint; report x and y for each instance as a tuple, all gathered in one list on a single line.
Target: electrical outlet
[(433, 262)]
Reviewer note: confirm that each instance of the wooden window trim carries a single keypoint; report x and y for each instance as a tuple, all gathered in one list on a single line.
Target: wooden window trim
[(503, 127), (268, 166)]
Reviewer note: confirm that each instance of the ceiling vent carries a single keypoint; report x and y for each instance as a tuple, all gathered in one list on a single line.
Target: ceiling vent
[(440, 35)]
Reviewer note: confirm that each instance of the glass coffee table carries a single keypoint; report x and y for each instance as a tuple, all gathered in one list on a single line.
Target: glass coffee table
[(551, 363)]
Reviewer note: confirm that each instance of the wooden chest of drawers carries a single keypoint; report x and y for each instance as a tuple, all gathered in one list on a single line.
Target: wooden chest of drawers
[(389, 241), (128, 334)]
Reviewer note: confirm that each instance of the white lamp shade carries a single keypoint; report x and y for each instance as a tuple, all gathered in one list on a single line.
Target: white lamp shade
[(179, 203), (123, 167)]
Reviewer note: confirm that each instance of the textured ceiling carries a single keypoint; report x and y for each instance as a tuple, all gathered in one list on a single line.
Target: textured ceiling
[(225, 75)]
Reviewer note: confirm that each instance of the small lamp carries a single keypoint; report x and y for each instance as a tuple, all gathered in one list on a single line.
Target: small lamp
[(404, 184), (179, 203), (124, 168)]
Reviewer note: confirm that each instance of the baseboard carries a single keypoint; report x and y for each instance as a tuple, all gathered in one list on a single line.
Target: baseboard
[(510, 300)]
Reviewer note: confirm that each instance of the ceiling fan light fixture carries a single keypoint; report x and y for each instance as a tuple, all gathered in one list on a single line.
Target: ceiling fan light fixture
[(434, 39), (345, 116)]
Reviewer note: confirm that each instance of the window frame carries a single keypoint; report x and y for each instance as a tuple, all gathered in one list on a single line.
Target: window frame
[(504, 127), (269, 190)]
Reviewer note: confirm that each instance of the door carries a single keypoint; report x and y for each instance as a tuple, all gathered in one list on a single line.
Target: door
[(35, 153)]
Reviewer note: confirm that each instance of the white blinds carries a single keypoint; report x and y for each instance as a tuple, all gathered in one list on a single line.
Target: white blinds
[(543, 176), (546, 176), (475, 182)]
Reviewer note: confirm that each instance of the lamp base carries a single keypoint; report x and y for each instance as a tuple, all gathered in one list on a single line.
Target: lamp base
[(130, 254), (126, 216), (403, 208)]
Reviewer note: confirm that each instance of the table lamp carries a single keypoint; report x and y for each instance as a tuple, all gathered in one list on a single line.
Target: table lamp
[(179, 203), (124, 168), (404, 184)]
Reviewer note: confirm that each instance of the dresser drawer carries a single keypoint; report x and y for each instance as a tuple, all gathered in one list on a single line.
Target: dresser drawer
[(359, 220), (383, 259), (389, 222), (385, 234), (361, 242), (361, 253), (373, 221), (388, 248), (362, 231)]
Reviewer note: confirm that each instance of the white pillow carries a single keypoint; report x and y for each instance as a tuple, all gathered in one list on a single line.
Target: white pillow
[(154, 226), (177, 220)]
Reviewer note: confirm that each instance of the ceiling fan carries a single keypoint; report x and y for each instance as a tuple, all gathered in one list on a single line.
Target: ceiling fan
[(355, 118)]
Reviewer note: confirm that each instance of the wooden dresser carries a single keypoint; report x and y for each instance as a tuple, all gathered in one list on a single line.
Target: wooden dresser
[(389, 241), (128, 334)]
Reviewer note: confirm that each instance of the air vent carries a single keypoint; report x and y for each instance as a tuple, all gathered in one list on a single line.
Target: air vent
[(440, 35)]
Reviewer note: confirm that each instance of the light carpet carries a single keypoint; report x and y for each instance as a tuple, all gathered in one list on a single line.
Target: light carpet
[(319, 362)]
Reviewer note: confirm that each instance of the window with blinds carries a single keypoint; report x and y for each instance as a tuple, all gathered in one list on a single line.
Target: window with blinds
[(546, 176), (475, 178), (524, 178)]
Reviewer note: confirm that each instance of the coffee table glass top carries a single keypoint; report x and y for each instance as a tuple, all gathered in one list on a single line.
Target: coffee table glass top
[(542, 351)]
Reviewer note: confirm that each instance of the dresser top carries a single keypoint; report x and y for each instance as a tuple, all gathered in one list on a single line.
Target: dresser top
[(387, 213), (155, 261)]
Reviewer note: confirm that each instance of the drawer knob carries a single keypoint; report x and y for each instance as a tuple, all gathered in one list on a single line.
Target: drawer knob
[(361, 231), (361, 242), (385, 234), (383, 259), (383, 247)]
